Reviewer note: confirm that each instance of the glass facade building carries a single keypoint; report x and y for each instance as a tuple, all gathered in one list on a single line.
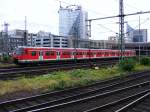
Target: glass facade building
[(72, 22), (136, 35)]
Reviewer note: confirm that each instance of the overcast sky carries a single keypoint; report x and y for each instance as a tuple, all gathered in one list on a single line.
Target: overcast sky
[(43, 14)]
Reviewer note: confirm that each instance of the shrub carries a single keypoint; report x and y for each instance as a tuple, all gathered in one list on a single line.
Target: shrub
[(5, 58), (78, 73), (145, 61), (127, 65)]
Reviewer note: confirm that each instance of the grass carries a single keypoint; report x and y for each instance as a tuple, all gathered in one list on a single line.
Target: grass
[(60, 80), (2, 64)]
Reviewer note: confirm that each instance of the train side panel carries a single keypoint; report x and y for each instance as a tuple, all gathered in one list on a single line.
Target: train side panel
[(36, 55)]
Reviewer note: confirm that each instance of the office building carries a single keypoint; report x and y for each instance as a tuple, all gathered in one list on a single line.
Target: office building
[(136, 35), (72, 22), (46, 39)]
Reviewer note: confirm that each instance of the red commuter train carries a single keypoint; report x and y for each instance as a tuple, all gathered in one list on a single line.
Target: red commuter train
[(24, 55)]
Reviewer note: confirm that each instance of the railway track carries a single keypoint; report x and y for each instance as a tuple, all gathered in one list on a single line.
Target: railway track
[(84, 104), (117, 105), (81, 99), (141, 104), (11, 73)]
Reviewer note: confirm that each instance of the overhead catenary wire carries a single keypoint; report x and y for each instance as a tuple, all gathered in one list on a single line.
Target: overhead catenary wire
[(109, 17), (87, 9), (138, 25), (110, 30)]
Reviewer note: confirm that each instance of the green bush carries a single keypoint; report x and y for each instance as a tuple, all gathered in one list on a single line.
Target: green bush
[(5, 58), (78, 73), (127, 64), (145, 61)]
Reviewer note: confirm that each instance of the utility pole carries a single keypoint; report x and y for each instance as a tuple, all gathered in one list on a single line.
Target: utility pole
[(25, 32), (121, 27), (139, 40), (5, 39)]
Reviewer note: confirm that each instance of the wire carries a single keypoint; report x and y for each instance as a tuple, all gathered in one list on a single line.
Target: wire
[(126, 4), (60, 1), (21, 23), (138, 25), (86, 9), (107, 28), (132, 7)]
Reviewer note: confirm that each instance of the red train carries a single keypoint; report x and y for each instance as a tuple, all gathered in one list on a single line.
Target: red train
[(24, 55)]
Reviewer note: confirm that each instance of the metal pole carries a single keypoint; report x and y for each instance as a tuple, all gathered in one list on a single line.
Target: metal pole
[(89, 52), (121, 26), (6, 42), (25, 32), (146, 49), (139, 40)]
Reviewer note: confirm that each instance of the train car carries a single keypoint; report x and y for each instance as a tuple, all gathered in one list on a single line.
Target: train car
[(23, 55)]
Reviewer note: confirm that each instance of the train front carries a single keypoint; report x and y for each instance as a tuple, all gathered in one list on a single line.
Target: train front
[(18, 55)]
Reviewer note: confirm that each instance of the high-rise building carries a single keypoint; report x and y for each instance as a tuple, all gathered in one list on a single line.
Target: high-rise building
[(140, 35), (129, 33), (72, 22), (136, 35)]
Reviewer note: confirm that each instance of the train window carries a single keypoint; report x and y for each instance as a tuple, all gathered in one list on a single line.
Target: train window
[(99, 53), (102, 53), (106, 53), (19, 51), (89, 53), (26, 52), (47, 53), (33, 53), (84, 53), (79, 53), (52, 53), (74, 53), (113, 53), (65, 53)]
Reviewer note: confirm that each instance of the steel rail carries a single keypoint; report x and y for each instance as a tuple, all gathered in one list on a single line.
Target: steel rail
[(134, 103), (30, 71), (108, 84), (81, 95), (83, 100), (122, 101)]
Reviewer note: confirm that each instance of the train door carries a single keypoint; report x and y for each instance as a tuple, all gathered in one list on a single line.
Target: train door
[(72, 55), (94, 54), (84, 54), (40, 55), (58, 55)]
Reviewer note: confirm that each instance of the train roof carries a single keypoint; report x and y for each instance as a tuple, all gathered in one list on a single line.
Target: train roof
[(66, 48)]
